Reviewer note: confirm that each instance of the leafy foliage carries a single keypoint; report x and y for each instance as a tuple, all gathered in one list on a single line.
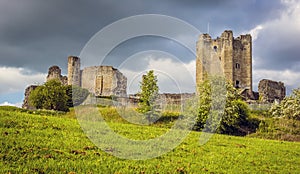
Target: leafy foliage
[(289, 106), (148, 95), (76, 95), (51, 96), (233, 120)]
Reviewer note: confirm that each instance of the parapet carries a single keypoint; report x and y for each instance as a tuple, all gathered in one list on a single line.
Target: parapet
[(73, 58), (246, 37), (227, 34), (205, 36)]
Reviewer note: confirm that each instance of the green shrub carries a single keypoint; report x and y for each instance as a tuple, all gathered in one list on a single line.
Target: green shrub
[(51, 96), (235, 118), (289, 107)]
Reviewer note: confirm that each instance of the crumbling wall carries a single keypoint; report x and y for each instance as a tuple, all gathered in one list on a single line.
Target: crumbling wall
[(54, 72), (28, 90), (175, 99), (165, 100), (104, 81), (270, 91)]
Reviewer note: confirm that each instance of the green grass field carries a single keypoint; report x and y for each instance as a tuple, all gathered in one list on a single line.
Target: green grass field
[(45, 142)]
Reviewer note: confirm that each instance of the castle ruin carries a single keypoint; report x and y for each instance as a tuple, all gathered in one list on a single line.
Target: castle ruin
[(99, 80), (54, 72), (271, 91), (232, 56), (224, 55)]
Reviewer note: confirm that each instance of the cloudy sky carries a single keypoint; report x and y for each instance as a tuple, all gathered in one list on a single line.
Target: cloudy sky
[(35, 35)]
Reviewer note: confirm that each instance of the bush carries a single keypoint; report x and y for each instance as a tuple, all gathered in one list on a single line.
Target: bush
[(234, 119), (289, 107), (51, 96)]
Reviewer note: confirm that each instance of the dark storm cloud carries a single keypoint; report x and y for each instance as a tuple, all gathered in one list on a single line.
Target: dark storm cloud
[(36, 34), (145, 43), (278, 49)]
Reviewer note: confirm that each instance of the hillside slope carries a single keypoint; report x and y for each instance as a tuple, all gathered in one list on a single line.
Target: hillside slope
[(47, 144)]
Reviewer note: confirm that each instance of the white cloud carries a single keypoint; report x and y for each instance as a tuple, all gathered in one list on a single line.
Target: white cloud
[(173, 75), (11, 104), (17, 79), (275, 45), (287, 24), (255, 32), (290, 78)]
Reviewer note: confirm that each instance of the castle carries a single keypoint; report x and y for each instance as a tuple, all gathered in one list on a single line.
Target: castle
[(99, 80), (233, 56), (224, 55)]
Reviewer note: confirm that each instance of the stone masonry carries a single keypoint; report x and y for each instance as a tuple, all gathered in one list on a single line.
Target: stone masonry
[(270, 91), (228, 55), (28, 90), (104, 81), (224, 55), (54, 72), (99, 80), (74, 71)]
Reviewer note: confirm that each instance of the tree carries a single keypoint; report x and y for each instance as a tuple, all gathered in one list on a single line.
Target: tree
[(148, 95), (76, 95), (233, 119), (289, 107), (51, 96)]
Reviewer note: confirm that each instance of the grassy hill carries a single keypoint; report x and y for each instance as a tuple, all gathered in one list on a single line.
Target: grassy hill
[(46, 142)]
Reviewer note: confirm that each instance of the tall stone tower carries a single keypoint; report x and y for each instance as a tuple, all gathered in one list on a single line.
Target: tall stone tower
[(232, 56), (74, 71)]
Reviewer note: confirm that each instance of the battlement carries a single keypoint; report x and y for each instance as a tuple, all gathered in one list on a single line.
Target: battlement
[(227, 34), (244, 38), (205, 36)]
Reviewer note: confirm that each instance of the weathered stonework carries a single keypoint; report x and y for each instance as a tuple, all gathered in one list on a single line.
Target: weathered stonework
[(54, 72), (164, 99), (228, 55), (28, 90), (74, 71), (224, 55), (270, 91), (104, 81)]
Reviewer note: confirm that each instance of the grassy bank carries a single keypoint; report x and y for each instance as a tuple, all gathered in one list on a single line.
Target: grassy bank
[(31, 143)]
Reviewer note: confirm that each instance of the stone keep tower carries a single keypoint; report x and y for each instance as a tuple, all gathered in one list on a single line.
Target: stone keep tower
[(74, 71), (232, 56)]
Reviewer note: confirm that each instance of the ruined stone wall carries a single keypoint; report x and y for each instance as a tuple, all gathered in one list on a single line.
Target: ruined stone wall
[(104, 81), (231, 56), (269, 90), (176, 99), (28, 90), (242, 62), (54, 72), (165, 100), (74, 71)]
